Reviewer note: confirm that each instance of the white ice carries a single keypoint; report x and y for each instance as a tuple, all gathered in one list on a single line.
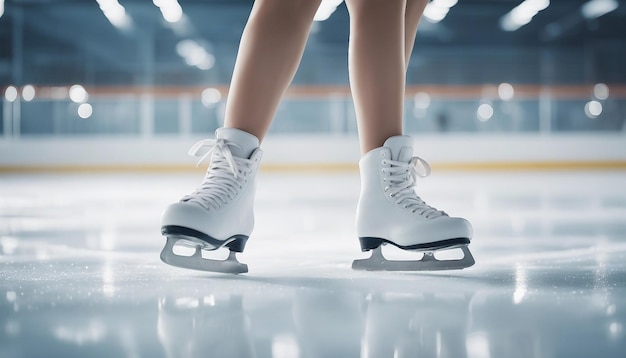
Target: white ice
[(80, 274)]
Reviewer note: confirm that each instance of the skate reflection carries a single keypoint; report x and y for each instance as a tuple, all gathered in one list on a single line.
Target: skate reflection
[(204, 326), (399, 325), (317, 318), (309, 322), (328, 324), (315, 323), (572, 326)]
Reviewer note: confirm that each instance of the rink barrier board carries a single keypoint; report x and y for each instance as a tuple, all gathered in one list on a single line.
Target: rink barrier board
[(311, 91), (323, 167), (318, 153)]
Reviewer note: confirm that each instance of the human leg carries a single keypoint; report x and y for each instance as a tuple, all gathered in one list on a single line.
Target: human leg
[(269, 54), (378, 82), (219, 213), (389, 210), (413, 14), (376, 62)]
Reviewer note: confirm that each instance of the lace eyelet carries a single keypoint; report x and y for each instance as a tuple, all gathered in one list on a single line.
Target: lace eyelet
[(382, 154), (384, 162)]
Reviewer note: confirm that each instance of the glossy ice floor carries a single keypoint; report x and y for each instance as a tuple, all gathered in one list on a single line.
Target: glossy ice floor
[(80, 274)]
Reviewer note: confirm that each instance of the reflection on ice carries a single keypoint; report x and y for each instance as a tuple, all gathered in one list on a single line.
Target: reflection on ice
[(92, 333), (192, 327), (477, 345), (349, 324), (281, 317), (521, 285)]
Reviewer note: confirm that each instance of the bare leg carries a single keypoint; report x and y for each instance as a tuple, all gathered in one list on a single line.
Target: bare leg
[(379, 50), (413, 14), (381, 42), (269, 53), (376, 67)]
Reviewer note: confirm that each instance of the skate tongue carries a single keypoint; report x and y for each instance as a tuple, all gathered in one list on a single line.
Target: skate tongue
[(246, 142), (401, 147)]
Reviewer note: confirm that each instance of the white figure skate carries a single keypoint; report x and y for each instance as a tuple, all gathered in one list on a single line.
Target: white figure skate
[(390, 212), (219, 213)]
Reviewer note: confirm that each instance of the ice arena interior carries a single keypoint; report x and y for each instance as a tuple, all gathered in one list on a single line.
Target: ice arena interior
[(519, 107)]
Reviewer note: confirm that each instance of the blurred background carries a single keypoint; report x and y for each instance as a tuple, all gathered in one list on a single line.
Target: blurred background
[(130, 84)]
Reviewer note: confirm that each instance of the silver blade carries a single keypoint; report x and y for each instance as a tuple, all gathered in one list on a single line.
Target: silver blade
[(378, 262), (197, 262)]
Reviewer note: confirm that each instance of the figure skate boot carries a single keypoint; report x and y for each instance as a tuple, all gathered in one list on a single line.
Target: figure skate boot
[(219, 213), (390, 212)]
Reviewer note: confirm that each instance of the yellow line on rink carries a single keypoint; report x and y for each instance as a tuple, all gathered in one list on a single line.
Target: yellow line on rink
[(322, 167)]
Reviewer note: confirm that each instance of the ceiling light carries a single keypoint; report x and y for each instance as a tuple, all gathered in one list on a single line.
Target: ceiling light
[(78, 94), (601, 91), (593, 109), (114, 12), (506, 91), (195, 54), (170, 9), (210, 97), (437, 10), (522, 14), (85, 110), (597, 8), (326, 8), (10, 94), (28, 93), (484, 112)]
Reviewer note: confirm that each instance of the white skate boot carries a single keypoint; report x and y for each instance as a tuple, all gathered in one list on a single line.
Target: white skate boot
[(219, 213), (390, 212)]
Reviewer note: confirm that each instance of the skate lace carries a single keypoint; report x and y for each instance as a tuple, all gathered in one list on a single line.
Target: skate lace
[(401, 178), (225, 176)]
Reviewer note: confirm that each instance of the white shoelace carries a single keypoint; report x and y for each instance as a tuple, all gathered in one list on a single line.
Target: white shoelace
[(225, 176), (401, 178)]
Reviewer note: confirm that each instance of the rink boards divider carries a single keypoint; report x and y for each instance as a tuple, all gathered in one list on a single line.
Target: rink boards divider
[(318, 153), (321, 167)]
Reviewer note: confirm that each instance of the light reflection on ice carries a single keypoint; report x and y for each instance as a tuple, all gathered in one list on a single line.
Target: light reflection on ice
[(8, 244), (11, 296), (285, 346), (108, 287), (521, 284), (615, 329), (93, 333), (477, 345)]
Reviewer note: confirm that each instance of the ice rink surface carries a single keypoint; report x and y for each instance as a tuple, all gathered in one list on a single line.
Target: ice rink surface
[(80, 274)]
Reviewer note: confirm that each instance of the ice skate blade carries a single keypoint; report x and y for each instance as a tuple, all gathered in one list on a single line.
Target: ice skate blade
[(196, 262), (378, 262)]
